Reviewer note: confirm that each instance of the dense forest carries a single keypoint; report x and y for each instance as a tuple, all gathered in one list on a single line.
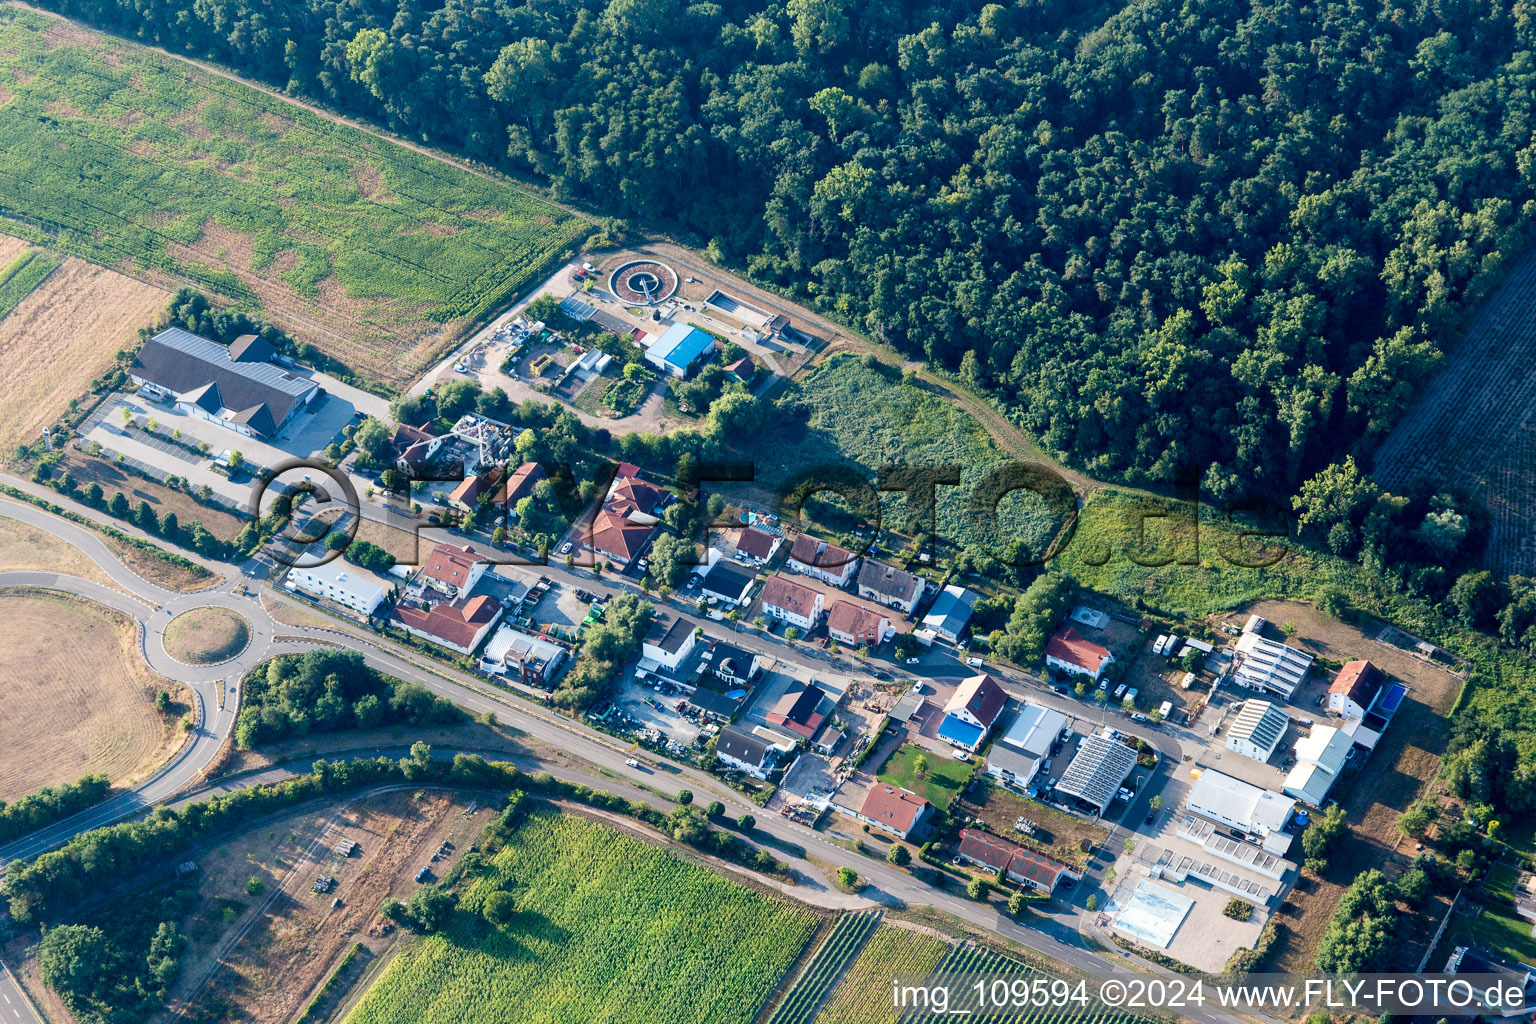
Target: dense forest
[(1161, 233)]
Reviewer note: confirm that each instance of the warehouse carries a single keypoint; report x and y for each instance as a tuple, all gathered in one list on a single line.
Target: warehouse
[(1257, 729), (1097, 772)]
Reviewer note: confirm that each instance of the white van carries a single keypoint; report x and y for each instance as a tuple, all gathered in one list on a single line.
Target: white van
[(1165, 709)]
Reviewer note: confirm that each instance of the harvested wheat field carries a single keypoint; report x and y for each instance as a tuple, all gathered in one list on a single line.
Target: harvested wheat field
[(10, 248), (77, 695), (206, 636), (63, 336), (25, 548)]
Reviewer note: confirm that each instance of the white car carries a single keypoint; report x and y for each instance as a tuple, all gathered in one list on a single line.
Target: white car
[(632, 763), (912, 661), (565, 548), (961, 755), (973, 662)]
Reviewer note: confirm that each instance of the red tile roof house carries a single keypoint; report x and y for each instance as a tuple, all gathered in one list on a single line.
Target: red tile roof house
[(827, 562), (900, 812), (460, 628), (467, 495), (788, 601), (1353, 689), (755, 545), (1068, 651), (798, 709), (455, 570), (972, 711), (521, 483), (623, 526), (1020, 865), (855, 625)]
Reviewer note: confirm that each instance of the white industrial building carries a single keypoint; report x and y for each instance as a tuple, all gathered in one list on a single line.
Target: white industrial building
[(667, 642), (1320, 757), (1259, 815), (1015, 757), (1257, 729), (1270, 666), (336, 581)]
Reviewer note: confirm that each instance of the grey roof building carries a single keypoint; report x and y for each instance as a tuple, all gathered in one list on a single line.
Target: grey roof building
[(1098, 770), (238, 386), (951, 612)]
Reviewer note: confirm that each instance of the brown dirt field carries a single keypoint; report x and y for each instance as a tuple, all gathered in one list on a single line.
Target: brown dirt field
[(26, 548), (1407, 757), (79, 698), (206, 636), (10, 248), (283, 942), (61, 337)]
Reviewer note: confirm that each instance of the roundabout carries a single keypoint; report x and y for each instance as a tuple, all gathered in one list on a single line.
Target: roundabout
[(209, 635)]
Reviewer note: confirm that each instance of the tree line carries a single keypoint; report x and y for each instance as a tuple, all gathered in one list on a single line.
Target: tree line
[(53, 803), (329, 690), (1225, 236), (43, 891)]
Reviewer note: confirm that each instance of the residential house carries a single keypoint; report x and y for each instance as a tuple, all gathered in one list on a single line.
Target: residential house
[(756, 546), (890, 586), (971, 712), (788, 601), (1018, 864), (728, 582), (900, 812), (1498, 977), (827, 562), (951, 612), (466, 496), (1354, 689), (756, 752), (238, 387), (1257, 729), (732, 665), (532, 659), (624, 524), (459, 626), (454, 570), (520, 484), (668, 641), (335, 581), (743, 369), (800, 709), (414, 448), (854, 625), (1069, 652), (713, 704)]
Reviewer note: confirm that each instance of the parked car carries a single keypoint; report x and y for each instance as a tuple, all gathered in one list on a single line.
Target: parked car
[(632, 763), (1061, 690), (912, 661), (565, 548), (973, 662), (960, 755)]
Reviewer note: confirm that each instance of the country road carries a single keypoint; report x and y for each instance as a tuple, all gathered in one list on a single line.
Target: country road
[(1056, 937)]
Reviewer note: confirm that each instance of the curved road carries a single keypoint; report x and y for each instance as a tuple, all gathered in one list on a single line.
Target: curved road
[(153, 607)]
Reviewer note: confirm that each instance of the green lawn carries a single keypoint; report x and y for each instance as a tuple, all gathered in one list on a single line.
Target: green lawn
[(1500, 884), (844, 413), (117, 153), (1508, 935), (607, 928), (943, 781)]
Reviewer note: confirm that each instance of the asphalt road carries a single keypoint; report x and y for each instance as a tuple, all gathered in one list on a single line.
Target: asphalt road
[(153, 606)]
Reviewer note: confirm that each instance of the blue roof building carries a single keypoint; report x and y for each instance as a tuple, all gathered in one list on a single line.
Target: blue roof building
[(959, 733), (678, 349)]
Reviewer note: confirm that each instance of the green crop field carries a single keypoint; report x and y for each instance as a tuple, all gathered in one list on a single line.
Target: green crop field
[(378, 255), (607, 928), (23, 274), (824, 968), (863, 996), (864, 417)]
